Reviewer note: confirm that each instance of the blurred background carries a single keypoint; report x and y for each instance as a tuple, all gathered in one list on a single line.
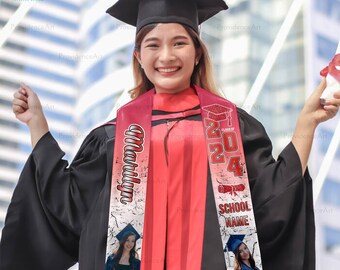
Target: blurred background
[(77, 59)]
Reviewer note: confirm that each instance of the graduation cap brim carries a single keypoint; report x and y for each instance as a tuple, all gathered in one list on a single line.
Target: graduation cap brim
[(234, 241), (128, 228), (143, 12)]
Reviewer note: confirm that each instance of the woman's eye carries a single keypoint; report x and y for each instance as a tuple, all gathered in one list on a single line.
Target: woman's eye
[(152, 45), (180, 43)]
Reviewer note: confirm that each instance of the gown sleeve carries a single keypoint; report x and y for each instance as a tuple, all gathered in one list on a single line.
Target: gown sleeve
[(282, 200), (50, 204)]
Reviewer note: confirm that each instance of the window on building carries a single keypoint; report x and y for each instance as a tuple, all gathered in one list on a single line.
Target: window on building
[(8, 5), (330, 8), (325, 47), (53, 57), (48, 18), (69, 80), (6, 183), (325, 136), (332, 238), (241, 7), (6, 123), (65, 4), (6, 103), (9, 64), (3, 204), (118, 59), (98, 112), (15, 46), (44, 92), (331, 191), (9, 164), (42, 33)]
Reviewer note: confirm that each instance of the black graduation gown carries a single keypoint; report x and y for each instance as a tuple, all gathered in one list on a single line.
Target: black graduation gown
[(59, 213)]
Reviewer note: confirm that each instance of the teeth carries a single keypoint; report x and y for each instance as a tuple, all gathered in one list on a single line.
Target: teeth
[(167, 69)]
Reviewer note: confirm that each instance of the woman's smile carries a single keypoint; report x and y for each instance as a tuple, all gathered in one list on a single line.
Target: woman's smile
[(166, 71)]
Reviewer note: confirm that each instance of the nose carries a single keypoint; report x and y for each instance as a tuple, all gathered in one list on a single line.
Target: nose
[(166, 54)]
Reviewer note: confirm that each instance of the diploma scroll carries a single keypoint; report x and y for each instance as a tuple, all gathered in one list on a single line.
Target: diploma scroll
[(332, 73)]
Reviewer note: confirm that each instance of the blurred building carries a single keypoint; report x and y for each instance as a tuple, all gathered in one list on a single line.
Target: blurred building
[(239, 41), (322, 37), (104, 69), (42, 52)]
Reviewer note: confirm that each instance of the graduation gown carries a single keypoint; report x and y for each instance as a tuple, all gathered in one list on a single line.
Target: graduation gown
[(59, 212), (111, 261), (246, 267)]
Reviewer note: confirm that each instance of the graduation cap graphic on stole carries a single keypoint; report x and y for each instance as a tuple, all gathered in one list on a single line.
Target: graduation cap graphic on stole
[(235, 240), (218, 112), (143, 12), (128, 228)]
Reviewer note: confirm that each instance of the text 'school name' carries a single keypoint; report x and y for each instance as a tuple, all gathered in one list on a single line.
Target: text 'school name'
[(134, 139), (236, 207)]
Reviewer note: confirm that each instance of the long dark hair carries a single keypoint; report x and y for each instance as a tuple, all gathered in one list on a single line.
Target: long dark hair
[(133, 253), (239, 260), (201, 76)]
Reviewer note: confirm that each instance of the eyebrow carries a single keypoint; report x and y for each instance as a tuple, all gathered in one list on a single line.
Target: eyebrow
[(156, 39)]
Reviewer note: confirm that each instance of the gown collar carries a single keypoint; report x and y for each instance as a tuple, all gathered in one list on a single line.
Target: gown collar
[(180, 101)]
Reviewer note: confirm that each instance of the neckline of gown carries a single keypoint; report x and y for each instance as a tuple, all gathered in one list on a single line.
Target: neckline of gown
[(183, 100)]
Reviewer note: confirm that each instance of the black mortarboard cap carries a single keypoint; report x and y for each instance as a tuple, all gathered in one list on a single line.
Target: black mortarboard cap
[(235, 240), (128, 228), (189, 12)]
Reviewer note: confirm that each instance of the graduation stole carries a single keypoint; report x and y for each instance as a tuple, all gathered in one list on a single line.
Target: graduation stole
[(227, 166)]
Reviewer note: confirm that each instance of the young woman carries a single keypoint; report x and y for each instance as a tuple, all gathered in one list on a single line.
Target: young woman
[(126, 257), (244, 259), (59, 213)]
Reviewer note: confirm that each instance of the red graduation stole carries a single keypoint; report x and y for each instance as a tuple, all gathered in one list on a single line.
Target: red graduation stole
[(226, 161)]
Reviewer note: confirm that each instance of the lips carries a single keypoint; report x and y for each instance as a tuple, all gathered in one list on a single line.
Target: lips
[(167, 69)]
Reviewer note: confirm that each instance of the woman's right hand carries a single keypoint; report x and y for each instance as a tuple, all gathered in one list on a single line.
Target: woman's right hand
[(26, 105), (27, 108)]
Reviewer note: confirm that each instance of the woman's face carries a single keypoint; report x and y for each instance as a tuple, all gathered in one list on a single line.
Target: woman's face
[(129, 243), (168, 56), (244, 252)]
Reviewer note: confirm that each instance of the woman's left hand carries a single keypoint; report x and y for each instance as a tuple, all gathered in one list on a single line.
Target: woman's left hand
[(314, 113)]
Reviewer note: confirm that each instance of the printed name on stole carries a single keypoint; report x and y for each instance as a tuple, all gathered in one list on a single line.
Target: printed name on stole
[(134, 140), (236, 207), (237, 221)]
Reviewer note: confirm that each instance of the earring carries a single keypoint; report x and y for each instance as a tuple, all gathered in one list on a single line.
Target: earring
[(196, 62), (141, 66)]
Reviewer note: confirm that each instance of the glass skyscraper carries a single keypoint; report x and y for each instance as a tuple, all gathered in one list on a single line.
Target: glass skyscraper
[(104, 65), (323, 26), (42, 53)]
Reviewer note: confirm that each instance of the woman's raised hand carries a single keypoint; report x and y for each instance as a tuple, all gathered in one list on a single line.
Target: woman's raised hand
[(27, 108), (312, 114), (26, 105)]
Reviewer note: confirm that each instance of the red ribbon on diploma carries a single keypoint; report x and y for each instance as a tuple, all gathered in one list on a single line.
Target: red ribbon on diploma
[(331, 68)]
